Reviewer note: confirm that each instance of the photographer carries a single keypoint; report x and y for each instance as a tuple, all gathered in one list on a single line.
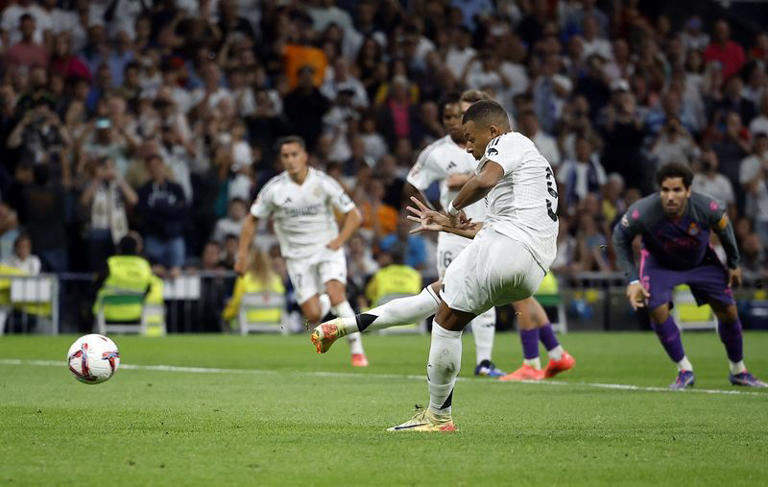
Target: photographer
[(106, 197), (40, 135)]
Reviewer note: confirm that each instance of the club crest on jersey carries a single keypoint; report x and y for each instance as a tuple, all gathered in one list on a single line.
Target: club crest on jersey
[(625, 221), (693, 229)]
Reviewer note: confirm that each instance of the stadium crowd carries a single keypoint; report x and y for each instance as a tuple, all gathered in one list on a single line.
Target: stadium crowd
[(161, 117)]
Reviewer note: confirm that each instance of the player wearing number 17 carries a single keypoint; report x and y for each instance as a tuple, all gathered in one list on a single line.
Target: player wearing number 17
[(301, 201)]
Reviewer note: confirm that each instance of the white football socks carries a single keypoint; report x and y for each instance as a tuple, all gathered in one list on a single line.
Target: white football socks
[(443, 367), (484, 330), (737, 367), (344, 310), (556, 353), (325, 305), (402, 311), (685, 364), (533, 362)]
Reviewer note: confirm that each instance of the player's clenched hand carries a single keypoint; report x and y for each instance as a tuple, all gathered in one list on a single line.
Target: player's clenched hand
[(734, 277), (638, 295), (334, 244)]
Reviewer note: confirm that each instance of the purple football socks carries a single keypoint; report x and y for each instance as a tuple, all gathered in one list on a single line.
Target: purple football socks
[(547, 337), (530, 339), (669, 335), (730, 335)]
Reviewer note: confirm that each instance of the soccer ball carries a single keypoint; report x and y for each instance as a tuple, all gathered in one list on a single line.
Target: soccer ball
[(93, 358)]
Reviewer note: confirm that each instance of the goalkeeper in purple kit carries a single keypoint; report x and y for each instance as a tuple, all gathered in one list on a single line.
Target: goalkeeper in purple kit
[(675, 226)]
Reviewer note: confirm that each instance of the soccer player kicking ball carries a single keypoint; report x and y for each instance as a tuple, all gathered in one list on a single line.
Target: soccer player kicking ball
[(447, 162), (301, 202), (504, 263), (675, 225)]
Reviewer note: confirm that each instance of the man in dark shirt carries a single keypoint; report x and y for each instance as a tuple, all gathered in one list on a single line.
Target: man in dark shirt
[(163, 209), (675, 225)]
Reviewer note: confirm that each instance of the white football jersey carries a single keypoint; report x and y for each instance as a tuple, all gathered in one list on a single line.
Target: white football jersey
[(523, 204), (439, 160), (303, 214)]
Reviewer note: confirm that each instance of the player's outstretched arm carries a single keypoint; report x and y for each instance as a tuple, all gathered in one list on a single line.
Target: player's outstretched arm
[(246, 237), (352, 220), (478, 186)]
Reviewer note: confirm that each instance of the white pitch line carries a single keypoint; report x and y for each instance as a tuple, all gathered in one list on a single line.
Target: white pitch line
[(215, 370)]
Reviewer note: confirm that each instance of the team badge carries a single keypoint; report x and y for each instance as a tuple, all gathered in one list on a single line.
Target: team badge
[(693, 229)]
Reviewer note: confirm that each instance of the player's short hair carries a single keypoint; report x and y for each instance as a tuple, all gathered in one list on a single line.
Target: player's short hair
[(487, 112), (450, 98), (474, 96), (675, 170), (290, 139)]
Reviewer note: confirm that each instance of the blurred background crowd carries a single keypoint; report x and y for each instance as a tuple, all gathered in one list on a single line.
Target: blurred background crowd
[(160, 116)]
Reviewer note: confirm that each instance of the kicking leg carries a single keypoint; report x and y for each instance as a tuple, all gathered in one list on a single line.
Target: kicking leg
[(396, 312), (341, 308), (729, 329), (669, 336)]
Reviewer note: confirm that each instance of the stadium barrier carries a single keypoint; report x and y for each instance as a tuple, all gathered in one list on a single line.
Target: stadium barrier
[(193, 303)]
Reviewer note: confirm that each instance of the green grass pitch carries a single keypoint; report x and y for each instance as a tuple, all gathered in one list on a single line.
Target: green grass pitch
[(287, 416)]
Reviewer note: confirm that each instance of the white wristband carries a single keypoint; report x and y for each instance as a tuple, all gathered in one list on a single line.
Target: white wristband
[(452, 210)]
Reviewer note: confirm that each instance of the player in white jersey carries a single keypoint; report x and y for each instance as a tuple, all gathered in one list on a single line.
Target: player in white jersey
[(505, 262), (301, 201), (447, 161)]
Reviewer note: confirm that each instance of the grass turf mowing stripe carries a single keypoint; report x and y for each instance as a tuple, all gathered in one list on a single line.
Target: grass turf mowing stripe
[(214, 370)]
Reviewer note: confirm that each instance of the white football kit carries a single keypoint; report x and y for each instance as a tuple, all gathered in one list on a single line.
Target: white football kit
[(304, 224), (438, 161), (508, 258)]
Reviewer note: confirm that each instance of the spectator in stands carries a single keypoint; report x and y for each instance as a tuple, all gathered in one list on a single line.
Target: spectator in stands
[(592, 245), (722, 49), (107, 198), (415, 248), (40, 136), (674, 144), (582, 175), (232, 224), (547, 145), (731, 145), (305, 106), (734, 101), (386, 171), (9, 230), (379, 218), (27, 51), (163, 210), (759, 124), (753, 261), (753, 176), (42, 212), (623, 131), (707, 180), (22, 257)]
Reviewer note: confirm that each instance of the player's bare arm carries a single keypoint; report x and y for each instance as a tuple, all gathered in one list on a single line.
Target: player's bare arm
[(246, 237), (456, 181), (479, 185), (352, 220)]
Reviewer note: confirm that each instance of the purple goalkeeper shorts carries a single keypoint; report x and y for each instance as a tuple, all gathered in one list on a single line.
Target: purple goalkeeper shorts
[(708, 281)]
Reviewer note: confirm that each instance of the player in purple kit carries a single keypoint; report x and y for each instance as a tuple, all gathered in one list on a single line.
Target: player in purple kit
[(675, 225)]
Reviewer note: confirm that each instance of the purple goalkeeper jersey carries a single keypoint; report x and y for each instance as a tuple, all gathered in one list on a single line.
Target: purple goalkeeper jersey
[(675, 243)]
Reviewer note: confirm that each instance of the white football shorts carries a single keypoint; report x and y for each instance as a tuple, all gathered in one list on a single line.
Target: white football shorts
[(309, 274), (493, 270)]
